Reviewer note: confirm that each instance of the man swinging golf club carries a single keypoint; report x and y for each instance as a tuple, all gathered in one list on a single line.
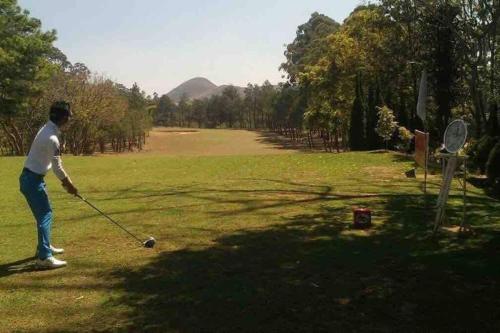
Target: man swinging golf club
[(45, 153)]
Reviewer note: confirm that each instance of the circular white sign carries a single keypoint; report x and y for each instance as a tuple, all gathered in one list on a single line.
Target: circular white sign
[(455, 136)]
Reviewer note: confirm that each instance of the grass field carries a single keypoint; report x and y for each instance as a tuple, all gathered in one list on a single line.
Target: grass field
[(248, 243), (206, 142)]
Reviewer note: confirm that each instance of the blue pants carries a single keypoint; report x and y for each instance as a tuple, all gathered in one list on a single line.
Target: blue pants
[(34, 189)]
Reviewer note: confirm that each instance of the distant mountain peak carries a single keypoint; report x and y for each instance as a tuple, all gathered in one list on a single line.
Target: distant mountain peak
[(201, 79), (197, 88)]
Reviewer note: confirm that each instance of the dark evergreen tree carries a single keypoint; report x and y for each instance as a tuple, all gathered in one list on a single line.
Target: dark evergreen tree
[(493, 127), (356, 129), (402, 114)]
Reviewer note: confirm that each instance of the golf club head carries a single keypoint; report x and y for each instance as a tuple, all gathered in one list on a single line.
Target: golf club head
[(150, 243)]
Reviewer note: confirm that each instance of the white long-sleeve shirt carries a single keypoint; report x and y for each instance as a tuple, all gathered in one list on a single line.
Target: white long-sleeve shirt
[(45, 152)]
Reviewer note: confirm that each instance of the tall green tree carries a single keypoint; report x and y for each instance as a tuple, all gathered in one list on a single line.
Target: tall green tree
[(386, 124), (442, 54), (25, 66), (182, 111), (164, 113), (372, 117), (252, 104), (231, 106), (309, 45), (199, 112)]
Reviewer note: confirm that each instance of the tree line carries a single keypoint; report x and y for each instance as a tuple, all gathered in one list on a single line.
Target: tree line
[(354, 82), (376, 57), (231, 109), (34, 74)]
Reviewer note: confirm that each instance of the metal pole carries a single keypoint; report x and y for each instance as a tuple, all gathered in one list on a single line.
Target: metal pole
[(465, 195), (426, 160)]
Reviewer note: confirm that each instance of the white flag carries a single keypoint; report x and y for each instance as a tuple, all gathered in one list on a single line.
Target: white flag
[(422, 96)]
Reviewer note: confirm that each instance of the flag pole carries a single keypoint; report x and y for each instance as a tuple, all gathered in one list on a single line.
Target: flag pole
[(421, 112)]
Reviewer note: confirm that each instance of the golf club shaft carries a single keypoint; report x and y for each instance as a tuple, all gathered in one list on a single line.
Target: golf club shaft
[(106, 216)]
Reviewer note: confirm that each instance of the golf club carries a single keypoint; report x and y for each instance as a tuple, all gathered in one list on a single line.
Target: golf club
[(149, 243)]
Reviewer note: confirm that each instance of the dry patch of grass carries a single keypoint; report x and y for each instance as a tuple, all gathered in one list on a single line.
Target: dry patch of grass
[(208, 142)]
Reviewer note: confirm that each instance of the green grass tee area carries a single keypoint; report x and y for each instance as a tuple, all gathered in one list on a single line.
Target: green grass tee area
[(248, 243)]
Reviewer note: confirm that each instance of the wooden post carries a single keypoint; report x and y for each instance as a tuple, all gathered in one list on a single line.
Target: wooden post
[(426, 161), (464, 185), (445, 190)]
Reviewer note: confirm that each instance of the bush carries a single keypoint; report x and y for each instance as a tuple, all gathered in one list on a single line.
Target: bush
[(493, 169), (480, 152), (405, 137)]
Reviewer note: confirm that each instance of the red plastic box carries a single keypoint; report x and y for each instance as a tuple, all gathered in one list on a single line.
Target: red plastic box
[(362, 218)]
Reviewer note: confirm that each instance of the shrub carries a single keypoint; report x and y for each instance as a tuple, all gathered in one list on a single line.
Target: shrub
[(405, 137), (493, 169), (480, 152)]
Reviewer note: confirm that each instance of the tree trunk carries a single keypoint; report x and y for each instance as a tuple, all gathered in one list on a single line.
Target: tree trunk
[(14, 137)]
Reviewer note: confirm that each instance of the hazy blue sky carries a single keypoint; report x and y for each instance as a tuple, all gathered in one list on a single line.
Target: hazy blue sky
[(161, 43)]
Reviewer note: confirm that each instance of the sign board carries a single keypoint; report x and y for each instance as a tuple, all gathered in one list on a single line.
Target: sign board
[(422, 153), (421, 144)]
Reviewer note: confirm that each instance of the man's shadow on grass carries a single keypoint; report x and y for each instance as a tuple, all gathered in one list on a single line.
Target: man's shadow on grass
[(313, 272), (26, 265)]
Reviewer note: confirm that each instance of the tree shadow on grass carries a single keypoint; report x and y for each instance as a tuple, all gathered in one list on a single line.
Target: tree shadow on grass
[(281, 142), (402, 157), (312, 272), (174, 131), (235, 201)]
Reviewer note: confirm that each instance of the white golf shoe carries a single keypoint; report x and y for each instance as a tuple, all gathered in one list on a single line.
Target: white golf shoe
[(50, 263), (54, 250)]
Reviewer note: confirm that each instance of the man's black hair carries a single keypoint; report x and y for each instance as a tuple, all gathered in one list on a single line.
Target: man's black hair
[(59, 110)]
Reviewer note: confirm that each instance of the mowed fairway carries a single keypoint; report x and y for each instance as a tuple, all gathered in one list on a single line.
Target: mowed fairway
[(247, 242), (209, 142)]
